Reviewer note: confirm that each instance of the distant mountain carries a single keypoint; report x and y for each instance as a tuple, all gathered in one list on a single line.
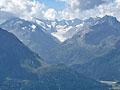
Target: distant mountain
[(106, 67), (32, 35), (96, 38), (61, 29), (82, 40), (16, 60), (106, 27)]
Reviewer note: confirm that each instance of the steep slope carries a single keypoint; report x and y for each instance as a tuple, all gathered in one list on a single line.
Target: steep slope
[(16, 60), (97, 38), (32, 35), (106, 67)]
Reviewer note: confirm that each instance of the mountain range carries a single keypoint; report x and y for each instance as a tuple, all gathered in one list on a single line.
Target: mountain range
[(93, 40), (22, 69), (59, 54), (72, 41)]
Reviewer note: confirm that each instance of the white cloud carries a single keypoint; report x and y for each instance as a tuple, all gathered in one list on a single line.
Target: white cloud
[(104, 9), (118, 2), (90, 8), (84, 4), (29, 9), (50, 13), (22, 8)]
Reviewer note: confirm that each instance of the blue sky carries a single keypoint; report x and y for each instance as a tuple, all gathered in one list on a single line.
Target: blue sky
[(54, 4)]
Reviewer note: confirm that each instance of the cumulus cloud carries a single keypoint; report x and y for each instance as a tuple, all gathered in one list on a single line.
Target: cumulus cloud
[(50, 13), (110, 8), (90, 8), (89, 4), (23, 8), (84, 4), (30, 9)]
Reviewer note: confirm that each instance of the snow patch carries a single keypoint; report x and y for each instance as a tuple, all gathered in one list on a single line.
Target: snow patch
[(61, 31), (53, 24), (59, 36), (33, 28)]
